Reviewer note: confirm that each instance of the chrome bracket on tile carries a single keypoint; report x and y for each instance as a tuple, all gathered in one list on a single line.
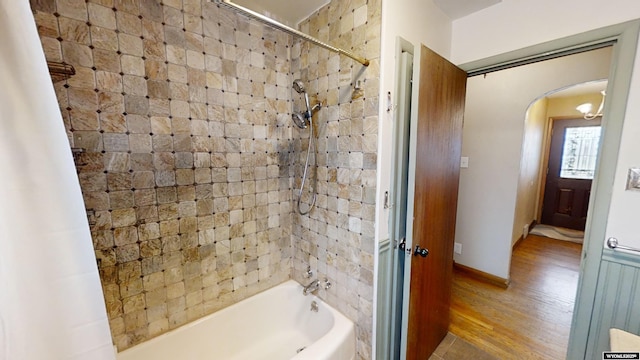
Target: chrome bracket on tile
[(327, 284), (386, 203)]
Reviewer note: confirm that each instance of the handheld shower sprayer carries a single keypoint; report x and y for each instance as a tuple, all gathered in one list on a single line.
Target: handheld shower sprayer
[(302, 120), (298, 86)]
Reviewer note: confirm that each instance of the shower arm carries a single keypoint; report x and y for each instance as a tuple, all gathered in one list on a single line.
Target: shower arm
[(248, 12)]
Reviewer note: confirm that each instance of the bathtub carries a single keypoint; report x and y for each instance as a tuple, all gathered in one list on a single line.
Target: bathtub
[(275, 324)]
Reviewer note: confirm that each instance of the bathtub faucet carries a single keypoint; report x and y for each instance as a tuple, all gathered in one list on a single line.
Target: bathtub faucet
[(312, 287)]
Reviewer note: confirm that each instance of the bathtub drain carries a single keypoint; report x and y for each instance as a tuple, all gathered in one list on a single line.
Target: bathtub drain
[(299, 350)]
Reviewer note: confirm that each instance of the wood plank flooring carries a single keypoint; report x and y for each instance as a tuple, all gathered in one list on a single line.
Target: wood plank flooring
[(529, 320), (455, 348)]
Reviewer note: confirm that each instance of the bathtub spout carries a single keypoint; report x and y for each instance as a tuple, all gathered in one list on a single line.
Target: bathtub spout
[(312, 287)]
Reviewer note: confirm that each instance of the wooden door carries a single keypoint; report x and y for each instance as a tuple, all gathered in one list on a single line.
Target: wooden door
[(572, 159), (436, 148)]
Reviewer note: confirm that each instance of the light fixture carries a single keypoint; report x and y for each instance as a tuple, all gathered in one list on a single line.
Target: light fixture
[(585, 108)]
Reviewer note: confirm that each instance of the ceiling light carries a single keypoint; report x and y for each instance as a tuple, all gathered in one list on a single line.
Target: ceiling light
[(585, 108)]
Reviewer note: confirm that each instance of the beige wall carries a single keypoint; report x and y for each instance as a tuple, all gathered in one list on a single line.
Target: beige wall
[(507, 26), (532, 152), (493, 140), (566, 106), (419, 22)]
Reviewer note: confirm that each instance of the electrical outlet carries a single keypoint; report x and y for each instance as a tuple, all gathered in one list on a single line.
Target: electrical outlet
[(457, 248)]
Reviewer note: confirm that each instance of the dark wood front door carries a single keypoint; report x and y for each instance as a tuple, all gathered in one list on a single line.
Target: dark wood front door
[(438, 141), (572, 158)]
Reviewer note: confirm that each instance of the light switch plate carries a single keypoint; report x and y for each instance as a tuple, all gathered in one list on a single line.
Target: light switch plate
[(464, 162), (633, 179)]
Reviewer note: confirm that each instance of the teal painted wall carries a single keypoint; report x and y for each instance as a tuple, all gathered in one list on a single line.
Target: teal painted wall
[(617, 303)]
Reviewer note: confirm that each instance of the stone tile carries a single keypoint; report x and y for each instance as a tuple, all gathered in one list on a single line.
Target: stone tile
[(173, 17), (42, 6), (84, 119), (112, 122), (134, 85), (116, 142), (193, 23), (52, 49), (128, 22), (156, 70), (77, 54), (84, 78), (106, 39), (130, 44), (75, 9), (119, 181), (158, 89), (109, 81), (136, 104), (127, 253), (102, 16), (151, 9), (154, 49), (132, 65), (106, 60), (107, 3), (140, 143), (74, 30)]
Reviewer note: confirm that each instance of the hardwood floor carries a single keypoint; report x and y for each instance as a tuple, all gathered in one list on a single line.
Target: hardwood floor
[(454, 348), (529, 320)]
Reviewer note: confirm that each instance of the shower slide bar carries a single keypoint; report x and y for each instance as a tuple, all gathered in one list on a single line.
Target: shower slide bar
[(250, 13), (612, 243)]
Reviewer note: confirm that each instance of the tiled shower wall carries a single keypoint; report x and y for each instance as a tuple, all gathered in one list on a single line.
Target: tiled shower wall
[(337, 237), (179, 116), (179, 119)]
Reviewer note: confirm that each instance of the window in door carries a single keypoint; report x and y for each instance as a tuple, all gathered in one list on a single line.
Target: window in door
[(580, 152)]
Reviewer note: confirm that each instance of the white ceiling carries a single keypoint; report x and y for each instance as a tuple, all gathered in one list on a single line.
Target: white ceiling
[(456, 9), (292, 12), (289, 12)]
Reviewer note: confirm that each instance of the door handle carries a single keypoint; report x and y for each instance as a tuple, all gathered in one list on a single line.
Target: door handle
[(420, 251)]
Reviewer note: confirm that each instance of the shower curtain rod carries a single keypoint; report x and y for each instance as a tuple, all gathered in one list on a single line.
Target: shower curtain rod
[(288, 29)]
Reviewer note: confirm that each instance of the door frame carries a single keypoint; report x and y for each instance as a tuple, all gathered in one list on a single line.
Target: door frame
[(625, 39), (393, 279)]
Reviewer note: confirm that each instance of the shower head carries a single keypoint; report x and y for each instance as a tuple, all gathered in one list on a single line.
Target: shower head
[(299, 120), (298, 86)]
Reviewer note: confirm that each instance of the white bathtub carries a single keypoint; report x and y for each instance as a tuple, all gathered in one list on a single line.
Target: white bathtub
[(272, 325)]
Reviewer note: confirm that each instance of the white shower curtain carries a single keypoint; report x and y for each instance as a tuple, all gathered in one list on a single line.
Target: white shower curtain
[(51, 302)]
